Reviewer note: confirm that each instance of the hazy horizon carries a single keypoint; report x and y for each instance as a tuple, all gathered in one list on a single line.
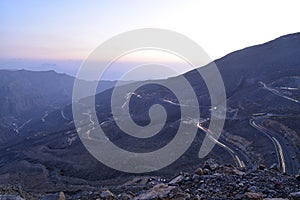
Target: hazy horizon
[(71, 66), (59, 35)]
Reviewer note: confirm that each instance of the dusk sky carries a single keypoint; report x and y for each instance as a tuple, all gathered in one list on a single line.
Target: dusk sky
[(59, 34)]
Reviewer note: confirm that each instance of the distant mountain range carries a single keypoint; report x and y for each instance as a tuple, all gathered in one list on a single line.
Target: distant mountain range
[(25, 95), (262, 87)]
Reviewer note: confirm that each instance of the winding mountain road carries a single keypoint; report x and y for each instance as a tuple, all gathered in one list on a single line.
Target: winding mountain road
[(278, 93), (285, 154), (240, 158)]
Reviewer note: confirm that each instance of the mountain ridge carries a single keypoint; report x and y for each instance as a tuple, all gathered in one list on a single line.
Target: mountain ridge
[(253, 80)]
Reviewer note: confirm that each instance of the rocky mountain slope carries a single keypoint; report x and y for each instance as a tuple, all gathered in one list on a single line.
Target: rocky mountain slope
[(26, 95), (262, 85), (210, 181)]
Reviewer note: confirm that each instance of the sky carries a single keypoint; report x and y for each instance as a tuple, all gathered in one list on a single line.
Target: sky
[(60, 34)]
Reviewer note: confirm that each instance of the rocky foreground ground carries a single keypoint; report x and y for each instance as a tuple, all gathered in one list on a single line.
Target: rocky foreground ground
[(211, 181)]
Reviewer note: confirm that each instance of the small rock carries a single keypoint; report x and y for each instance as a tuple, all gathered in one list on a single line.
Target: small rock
[(177, 180), (199, 171), (196, 177), (261, 167), (144, 181), (211, 164), (106, 194), (187, 179), (158, 191), (238, 172), (254, 195), (252, 189), (278, 185), (62, 196), (206, 171), (274, 167)]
